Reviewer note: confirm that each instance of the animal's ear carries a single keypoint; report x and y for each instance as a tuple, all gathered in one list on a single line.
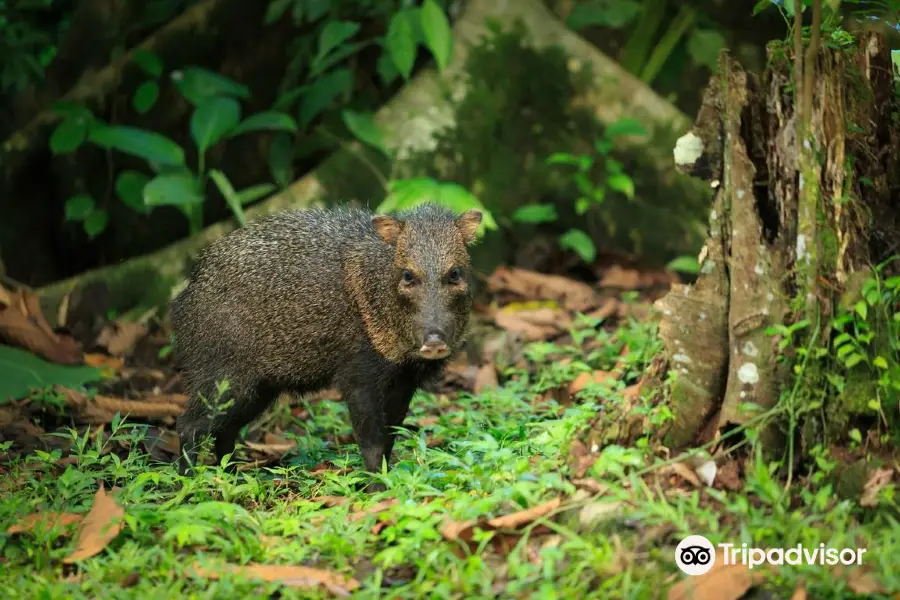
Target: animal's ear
[(388, 228), (468, 224)]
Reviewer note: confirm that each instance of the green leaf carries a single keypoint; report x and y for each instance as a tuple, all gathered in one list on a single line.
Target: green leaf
[(177, 189), (892, 283), (841, 339), (621, 183), (276, 10), (853, 360), (79, 207), (582, 205), (386, 68), (148, 145), (96, 223), (266, 121), (624, 127), (69, 135), (337, 56), (253, 193), (198, 85), (145, 97), (704, 46), (536, 213), (606, 13), (436, 30), (364, 128), (861, 309), (333, 35), (231, 197), (22, 372), (322, 93), (281, 157), (401, 42), (685, 264), (212, 120), (564, 158), (130, 190), (580, 243), (880, 362), (148, 61)]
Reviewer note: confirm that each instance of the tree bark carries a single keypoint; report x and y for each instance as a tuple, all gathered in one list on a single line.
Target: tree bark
[(756, 264), (409, 121)]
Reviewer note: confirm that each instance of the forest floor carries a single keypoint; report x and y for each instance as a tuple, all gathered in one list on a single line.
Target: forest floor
[(531, 471)]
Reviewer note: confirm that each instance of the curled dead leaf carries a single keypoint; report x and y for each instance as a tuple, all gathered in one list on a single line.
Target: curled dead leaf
[(372, 510), (520, 323), (120, 338), (585, 379), (686, 473), (288, 575), (330, 501), (878, 480), (722, 582), (464, 530), (103, 361), (101, 525), (102, 409), (22, 324), (486, 378), (44, 522), (570, 294)]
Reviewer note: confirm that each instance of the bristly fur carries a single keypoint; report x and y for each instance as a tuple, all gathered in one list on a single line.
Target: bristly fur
[(301, 300)]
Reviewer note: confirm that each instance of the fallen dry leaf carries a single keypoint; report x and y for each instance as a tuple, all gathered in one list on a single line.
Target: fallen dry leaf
[(120, 338), (686, 473), (486, 378), (861, 581), (464, 530), (729, 476), (722, 582), (799, 591), (101, 525), (288, 575), (103, 361), (532, 331), (44, 521), (590, 485), (372, 510), (581, 459), (428, 420), (621, 277), (878, 480), (274, 448), (330, 501), (22, 324), (570, 294), (102, 409), (585, 379)]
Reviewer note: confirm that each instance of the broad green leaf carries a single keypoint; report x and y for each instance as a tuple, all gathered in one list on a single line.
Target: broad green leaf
[(621, 183), (333, 35), (401, 42), (704, 46), (79, 207), (148, 61), (22, 372), (287, 99), (606, 13), (145, 97), (582, 205), (281, 158), (861, 309), (436, 29), (580, 243), (251, 194), (322, 93), (69, 135), (685, 264), (337, 56), (67, 110), (536, 213), (266, 121), (177, 189), (96, 223), (130, 190), (212, 120), (880, 362), (624, 127), (276, 10), (853, 360), (198, 85), (386, 68), (364, 128), (148, 145), (231, 197), (892, 283)]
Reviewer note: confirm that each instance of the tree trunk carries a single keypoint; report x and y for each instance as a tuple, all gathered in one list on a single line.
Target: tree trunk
[(760, 267), (409, 122)]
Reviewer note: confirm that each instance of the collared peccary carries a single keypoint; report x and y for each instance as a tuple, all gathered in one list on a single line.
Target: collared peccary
[(301, 300)]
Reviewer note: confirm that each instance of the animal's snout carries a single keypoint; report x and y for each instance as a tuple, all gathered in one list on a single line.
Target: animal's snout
[(434, 347)]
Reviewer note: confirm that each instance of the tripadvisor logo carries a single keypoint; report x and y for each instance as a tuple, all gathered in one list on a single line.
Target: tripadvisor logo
[(695, 555)]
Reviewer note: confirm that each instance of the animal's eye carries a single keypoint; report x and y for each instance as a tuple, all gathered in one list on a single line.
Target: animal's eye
[(455, 275), (408, 277)]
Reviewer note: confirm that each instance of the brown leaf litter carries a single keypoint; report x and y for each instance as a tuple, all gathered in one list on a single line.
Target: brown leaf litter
[(101, 526), (464, 530), (23, 324), (287, 575)]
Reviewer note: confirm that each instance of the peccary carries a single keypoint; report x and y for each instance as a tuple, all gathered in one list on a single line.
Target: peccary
[(301, 300)]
